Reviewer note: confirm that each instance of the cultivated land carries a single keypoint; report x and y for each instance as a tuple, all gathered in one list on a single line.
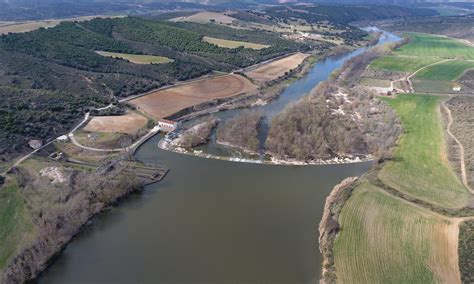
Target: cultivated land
[(137, 58), (276, 69), (127, 124), (423, 45), (446, 71), (420, 165), (167, 102), (206, 17), (233, 44), (387, 240), (27, 26), (432, 63), (401, 63), (390, 239), (16, 228)]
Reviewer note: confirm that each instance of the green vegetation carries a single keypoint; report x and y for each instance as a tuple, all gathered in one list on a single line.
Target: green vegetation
[(137, 58), (233, 44), (375, 82), (16, 227), (420, 167), (401, 63), (446, 71), (50, 77), (387, 240), (428, 86), (424, 45)]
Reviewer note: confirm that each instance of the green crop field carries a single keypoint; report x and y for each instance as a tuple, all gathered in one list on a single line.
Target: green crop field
[(446, 71), (137, 58), (15, 224), (402, 63), (429, 86), (420, 165), (435, 46), (233, 44), (384, 239)]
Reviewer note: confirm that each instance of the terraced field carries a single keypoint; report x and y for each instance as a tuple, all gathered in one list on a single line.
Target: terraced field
[(15, 224), (424, 45), (137, 58), (420, 166), (387, 240), (233, 44), (447, 71)]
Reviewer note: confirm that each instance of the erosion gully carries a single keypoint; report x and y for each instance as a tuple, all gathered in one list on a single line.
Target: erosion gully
[(213, 221)]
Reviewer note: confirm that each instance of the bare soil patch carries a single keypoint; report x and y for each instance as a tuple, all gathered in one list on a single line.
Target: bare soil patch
[(275, 69), (167, 102), (127, 124), (206, 17)]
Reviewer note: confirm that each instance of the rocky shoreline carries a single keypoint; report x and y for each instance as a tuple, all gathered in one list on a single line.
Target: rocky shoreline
[(164, 145)]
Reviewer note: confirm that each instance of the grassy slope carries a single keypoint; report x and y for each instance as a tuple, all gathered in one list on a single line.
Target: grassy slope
[(401, 63), (420, 167), (137, 58), (16, 228), (435, 46), (385, 240), (446, 71), (233, 44)]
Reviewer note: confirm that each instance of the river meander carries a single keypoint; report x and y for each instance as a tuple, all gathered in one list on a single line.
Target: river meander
[(212, 221)]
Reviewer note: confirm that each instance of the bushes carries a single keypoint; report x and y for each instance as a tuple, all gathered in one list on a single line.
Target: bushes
[(466, 247), (241, 131), (332, 122)]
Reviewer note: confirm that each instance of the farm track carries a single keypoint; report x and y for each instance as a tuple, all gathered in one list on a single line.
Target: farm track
[(461, 147), (408, 79)]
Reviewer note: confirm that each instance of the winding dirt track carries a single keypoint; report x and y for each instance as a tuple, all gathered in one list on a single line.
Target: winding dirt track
[(461, 147), (408, 79)]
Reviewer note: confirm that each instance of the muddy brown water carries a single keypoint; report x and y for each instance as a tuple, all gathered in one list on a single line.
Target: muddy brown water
[(212, 221), (209, 221)]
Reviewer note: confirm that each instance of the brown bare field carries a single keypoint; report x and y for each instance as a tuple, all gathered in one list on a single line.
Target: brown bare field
[(206, 17), (275, 69), (162, 104), (127, 124), (27, 26)]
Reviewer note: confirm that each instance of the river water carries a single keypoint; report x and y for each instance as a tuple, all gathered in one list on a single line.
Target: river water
[(212, 221)]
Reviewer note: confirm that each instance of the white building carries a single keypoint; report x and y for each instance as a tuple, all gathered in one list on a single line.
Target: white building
[(457, 88), (167, 125)]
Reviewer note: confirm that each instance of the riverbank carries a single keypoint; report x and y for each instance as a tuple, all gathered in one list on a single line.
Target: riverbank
[(164, 145), (59, 198)]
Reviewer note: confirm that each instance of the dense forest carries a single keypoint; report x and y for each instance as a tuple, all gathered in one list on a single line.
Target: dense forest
[(50, 77)]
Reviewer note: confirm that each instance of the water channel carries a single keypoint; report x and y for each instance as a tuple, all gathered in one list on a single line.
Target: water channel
[(213, 221)]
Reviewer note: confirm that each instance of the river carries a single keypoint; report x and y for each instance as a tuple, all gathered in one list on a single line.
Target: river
[(212, 221)]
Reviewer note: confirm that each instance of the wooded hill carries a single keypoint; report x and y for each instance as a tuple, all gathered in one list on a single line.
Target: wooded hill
[(49, 77)]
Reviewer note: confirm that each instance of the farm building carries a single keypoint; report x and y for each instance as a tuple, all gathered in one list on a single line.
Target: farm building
[(167, 125), (457, 88)]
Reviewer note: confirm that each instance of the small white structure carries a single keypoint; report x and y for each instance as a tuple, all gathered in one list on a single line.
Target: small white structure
[(35, 144), (167, 125), (457, 88), (63, 138)]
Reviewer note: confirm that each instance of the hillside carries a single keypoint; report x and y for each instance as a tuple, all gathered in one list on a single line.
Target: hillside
[(50, 77)]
